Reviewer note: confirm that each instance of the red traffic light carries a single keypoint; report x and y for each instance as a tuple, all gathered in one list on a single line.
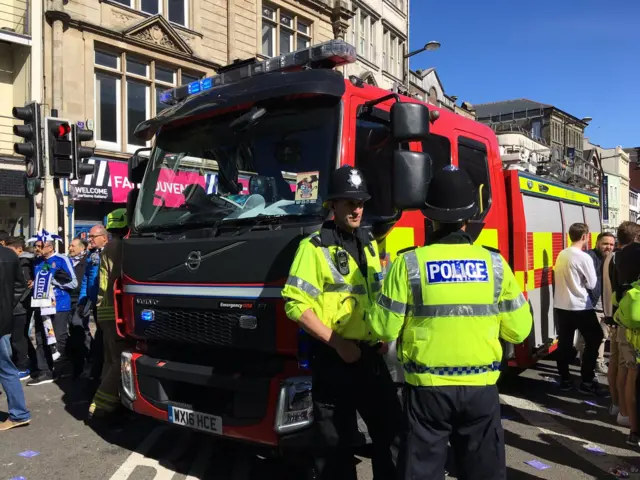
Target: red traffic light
[(61, 130)]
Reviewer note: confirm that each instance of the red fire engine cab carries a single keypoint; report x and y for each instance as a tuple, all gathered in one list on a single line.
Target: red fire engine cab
[(253, 148)]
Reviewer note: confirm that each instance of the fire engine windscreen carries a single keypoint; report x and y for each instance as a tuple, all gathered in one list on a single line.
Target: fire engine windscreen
[(242, 166)]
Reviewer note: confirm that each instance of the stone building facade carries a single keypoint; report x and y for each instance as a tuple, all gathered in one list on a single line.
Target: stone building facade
[(107, 62)]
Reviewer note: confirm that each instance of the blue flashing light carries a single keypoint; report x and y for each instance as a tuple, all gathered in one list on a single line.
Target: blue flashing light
[(166, 97), (194, 87), (147, 315), (331, 54)]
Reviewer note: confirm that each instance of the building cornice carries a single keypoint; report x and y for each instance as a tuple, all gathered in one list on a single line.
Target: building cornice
[(390, 26)]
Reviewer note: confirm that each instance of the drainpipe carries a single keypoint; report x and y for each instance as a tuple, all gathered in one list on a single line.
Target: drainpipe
[(231, 31), (58, 19)]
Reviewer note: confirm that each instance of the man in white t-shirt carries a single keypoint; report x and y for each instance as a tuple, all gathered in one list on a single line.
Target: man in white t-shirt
[(575, 274)]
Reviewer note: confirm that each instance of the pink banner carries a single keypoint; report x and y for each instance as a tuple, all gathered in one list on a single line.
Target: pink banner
[(110, 183)]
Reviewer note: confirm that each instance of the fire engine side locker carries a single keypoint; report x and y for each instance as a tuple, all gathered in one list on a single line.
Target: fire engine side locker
[(541, 214)]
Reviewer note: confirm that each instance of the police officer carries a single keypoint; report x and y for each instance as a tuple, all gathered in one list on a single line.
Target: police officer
[(451, 302), (333, 283)]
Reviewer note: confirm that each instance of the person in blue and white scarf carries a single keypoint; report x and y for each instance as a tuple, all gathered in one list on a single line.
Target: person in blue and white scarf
[(53, 273)]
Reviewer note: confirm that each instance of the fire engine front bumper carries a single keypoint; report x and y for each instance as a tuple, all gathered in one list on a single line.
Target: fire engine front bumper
[(272, 412)]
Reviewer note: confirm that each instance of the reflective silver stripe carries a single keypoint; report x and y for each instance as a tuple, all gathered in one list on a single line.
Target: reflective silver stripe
[(359, 289), (507, 306), (453, 310), (413, 274), (303, 285), (456, 310), (498, 274), (391, 305), (376, 286), (337, 277), (343, 287), (204, 291)]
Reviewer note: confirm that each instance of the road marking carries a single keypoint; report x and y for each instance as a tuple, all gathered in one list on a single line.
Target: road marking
[(164, 467), (138, 458), (544, 422)]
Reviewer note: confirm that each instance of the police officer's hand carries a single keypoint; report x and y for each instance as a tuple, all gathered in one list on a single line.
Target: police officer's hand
[(348, 351), (383, 348)]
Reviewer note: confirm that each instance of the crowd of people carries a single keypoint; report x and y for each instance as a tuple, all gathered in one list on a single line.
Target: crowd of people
[(588, 285), (52, 298)]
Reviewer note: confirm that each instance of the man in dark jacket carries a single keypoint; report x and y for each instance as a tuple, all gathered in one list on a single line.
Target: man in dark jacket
[(605, 244), (12, 288), (22, 347)]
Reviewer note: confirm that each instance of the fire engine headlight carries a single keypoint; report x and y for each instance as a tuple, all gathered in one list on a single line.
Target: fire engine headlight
[(294, 410), (128, 382)]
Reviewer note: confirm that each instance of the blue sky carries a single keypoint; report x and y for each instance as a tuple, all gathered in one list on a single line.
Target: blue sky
[(582, 56)]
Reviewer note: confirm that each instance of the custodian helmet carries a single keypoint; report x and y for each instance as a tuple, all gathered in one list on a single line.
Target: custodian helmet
[(451, 197), (348, 183)]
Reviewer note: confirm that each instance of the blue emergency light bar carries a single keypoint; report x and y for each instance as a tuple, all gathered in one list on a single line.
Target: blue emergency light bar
[(331, 54)]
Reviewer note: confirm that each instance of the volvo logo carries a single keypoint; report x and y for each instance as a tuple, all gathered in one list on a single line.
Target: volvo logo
[(193, 261)]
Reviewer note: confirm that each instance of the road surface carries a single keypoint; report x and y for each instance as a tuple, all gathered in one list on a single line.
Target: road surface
[(541, 424)]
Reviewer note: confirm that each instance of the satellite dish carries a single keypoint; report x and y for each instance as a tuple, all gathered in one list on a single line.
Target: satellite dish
[(524, 155)]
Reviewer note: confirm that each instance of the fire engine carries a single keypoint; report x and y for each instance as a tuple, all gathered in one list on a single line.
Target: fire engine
[(254, 147)]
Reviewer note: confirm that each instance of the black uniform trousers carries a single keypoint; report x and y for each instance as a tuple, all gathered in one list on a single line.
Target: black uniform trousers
[(60, 322), (341, 389), (468, 418)]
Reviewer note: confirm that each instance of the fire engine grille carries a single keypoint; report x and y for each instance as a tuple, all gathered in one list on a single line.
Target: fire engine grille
[(202, 327)]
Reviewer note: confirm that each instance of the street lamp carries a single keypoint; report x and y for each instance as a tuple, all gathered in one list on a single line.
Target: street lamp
[(428, 47)]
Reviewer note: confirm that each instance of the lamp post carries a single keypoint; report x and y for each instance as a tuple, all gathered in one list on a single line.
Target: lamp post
[(428, 47)]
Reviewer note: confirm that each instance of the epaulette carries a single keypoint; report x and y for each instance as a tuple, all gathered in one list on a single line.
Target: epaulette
[(405, 250), (491, 249), (316, 240)]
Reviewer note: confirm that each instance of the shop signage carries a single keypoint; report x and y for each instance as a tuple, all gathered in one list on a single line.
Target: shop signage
[(110, 183)]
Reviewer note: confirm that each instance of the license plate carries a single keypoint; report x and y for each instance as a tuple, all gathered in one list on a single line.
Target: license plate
[(195, 420)]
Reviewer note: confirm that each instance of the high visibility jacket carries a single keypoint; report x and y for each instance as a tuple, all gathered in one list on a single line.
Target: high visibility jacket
[(451, 303), (110, 269), (342, 302)]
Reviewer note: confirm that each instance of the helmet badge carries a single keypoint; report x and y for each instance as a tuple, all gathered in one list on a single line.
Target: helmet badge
[(355, 180)]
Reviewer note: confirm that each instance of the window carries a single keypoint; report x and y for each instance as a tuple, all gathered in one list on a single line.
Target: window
[(374, 157), (127, 92), (283, 32), (363, 34), (394, 54), (472, 158), (186, 79), (385, 50), (176, 11), (439, 149), (151, 6)]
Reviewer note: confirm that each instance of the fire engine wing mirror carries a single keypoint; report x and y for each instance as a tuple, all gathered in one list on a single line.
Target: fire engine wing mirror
[(137, 166), (411, 176), (132, 200), (409, 122)]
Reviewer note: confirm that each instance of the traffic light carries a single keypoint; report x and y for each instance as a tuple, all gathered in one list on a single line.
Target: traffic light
[(58, 144), (31, 148), (79, 152)]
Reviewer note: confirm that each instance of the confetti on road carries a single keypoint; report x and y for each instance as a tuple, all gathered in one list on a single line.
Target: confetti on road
[(595, 449), (17, 478), (29, 454), (537, 464), (618, 473), (593, 404)]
